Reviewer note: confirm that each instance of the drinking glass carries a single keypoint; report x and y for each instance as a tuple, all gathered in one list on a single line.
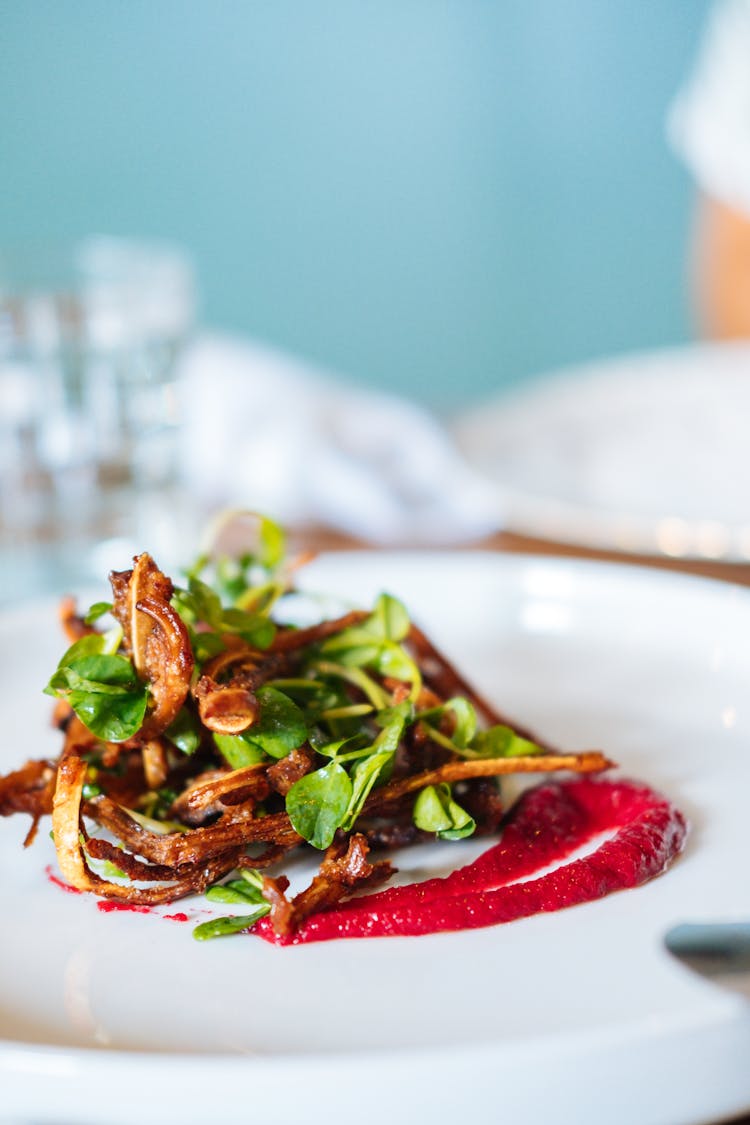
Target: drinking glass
[(90, 341)]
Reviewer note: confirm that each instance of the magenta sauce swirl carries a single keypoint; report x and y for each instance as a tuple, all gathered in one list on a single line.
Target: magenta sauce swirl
[(547, 824)]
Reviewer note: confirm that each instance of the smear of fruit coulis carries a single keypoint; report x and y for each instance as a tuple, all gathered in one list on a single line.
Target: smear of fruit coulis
[(109, 906), (58, 882), (548, 824)]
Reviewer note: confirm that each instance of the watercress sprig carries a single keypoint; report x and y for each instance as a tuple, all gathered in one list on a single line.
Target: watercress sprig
[(101, 686), (333, 797)]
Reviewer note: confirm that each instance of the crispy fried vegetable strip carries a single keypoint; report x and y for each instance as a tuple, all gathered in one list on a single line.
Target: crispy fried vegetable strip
[(274, 892), (243, 828), (230, 707), (66, 817), (590, 761), (289, 640), (155, 765), (193, 846), (99, 848), (167, 662), (28, 790), (345, 868), (68, 829), (283, 774), (155, 635), (208, 791), (225, 708), (74, 627), (145, 580)]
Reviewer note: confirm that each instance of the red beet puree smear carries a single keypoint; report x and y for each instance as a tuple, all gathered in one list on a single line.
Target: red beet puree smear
[(547, 824)]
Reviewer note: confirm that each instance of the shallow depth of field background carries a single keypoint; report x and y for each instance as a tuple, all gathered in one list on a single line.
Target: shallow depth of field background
[(438, 197)]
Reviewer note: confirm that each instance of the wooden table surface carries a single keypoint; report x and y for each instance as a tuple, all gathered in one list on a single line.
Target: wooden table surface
[(323, 539)]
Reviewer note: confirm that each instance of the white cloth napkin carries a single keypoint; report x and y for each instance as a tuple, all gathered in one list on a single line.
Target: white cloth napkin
[(265, 431)]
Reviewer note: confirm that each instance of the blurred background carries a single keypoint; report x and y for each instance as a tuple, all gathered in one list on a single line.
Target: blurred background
[(438, 197)]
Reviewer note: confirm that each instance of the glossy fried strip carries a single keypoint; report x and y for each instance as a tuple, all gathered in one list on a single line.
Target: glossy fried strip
[(176, 848), (28, 789), (99, 848), (229, 706), (203, 793), (194, 845), (74, 626), (589, 762), (345, 868), (288, 640), (168, 664), (68, 829)]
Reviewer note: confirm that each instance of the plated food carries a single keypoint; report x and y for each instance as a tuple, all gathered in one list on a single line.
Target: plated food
[(207, 735)]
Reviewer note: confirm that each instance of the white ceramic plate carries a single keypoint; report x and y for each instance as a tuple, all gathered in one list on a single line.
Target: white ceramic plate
[(646, 454), (123, 1017)]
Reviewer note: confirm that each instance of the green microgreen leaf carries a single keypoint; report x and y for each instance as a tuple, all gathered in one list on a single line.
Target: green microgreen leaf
[(222, 927), (359, 744), (185, 731), (97, 610), (463, 720), (101, 687), (364, 775), (253, 877), (261, 599), (390, 619), (226, 895), (157, 803), (436, 811), (377, 765), (272, 542), (107, 869), (199, 604), (238, 751), (113, 718), (393, 720), (206, 644), (318, 803), (229, 893), (254, 628), (280, 726), (394, 661), (348, 711), (376, 643), (248, 888), (113, 674), (93, 644), (502, 742), (366, 684)]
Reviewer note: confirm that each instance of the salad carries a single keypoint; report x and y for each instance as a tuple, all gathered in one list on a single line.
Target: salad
[(207, 735)]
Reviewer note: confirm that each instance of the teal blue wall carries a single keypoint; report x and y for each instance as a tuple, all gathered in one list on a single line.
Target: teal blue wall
[(442, 197)]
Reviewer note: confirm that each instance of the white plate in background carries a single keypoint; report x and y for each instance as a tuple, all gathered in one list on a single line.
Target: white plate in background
[(647, 453), (122, 1017)]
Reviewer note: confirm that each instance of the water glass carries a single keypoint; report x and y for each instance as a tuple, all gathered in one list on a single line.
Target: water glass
[(90, 341)]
